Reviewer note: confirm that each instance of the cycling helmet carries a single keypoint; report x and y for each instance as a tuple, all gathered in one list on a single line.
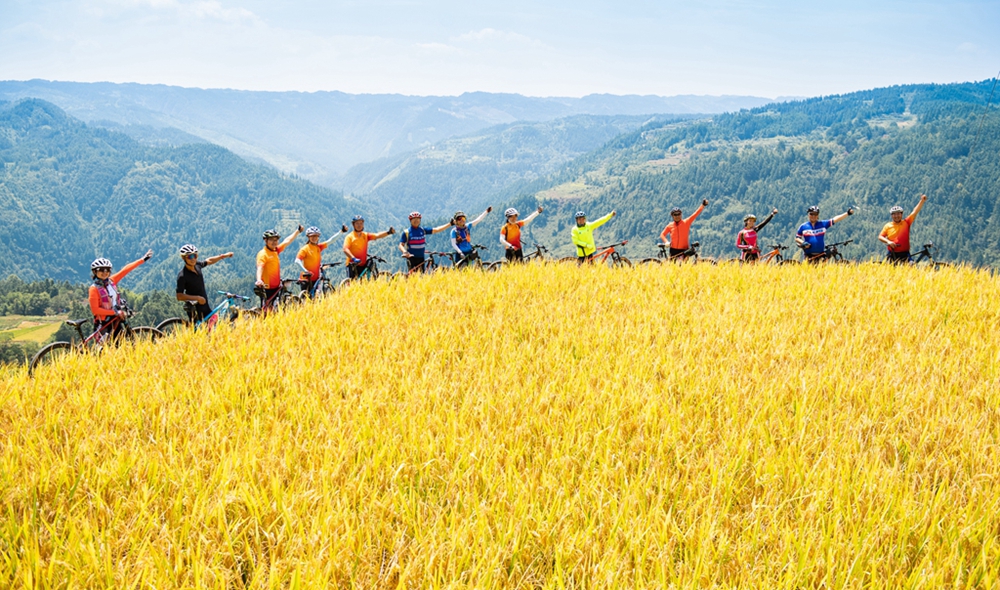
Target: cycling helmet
[(100, 263), (813, 209), (458, 214), (415, 215), (188, 249), (357, 218), (749, 217), (271, 234), (675, 211), (580, 214), (509, 212), (312, 230), (896, 209)]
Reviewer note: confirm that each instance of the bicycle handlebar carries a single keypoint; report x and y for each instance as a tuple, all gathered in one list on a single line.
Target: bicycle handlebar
[(613, 245), (233, 295)]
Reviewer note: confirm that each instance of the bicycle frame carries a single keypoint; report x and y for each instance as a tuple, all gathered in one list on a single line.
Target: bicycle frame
[(603, 253), (221, 309), (773, 256), (691, 252)]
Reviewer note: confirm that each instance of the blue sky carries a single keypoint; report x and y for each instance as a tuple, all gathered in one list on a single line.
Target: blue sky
[(558, 48)]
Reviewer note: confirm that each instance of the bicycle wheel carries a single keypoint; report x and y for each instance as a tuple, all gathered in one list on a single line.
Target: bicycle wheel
[(145, 334), (172, 324), (48, 355), (621, 262), (496, 265), (344, 283), (650, 261), (568, 259)]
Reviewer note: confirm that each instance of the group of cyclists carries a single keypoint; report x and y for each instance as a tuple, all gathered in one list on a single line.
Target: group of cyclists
[(810, 237)]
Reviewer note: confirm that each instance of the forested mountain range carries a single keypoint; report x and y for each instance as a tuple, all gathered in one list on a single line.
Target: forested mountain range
[(70, 193), (320, 135), (466, 172), (870, 149)]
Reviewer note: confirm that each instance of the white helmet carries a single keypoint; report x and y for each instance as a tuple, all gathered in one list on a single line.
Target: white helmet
[(509, 212), (100, 263), (188, 249), (312, 230), (896, 209)]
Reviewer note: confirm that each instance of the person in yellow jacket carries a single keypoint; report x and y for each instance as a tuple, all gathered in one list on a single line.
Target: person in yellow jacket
[(583, 235)]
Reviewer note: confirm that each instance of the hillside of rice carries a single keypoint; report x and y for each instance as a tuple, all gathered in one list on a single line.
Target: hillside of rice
[(546, 426)]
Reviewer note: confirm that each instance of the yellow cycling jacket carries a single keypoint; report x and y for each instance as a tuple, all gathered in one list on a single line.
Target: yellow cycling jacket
[(583, 237)]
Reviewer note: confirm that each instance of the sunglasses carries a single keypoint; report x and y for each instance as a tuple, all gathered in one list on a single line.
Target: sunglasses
[(191, 256), (103, 270)]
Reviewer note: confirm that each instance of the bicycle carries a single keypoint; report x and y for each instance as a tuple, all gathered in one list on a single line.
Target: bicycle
[(322, 286), (830, 253), (429, 265), (368, 272), (472, 259), (925, 256), (281, 298), (112, 331), (603, 254), (538, 254), (664, 255), (774, 256), (229, 308)]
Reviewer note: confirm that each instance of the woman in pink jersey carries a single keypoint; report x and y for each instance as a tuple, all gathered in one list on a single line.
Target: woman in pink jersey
[(746, 240)]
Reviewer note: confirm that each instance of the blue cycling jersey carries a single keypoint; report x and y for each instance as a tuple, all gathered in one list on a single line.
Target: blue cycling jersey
[(814, 234)]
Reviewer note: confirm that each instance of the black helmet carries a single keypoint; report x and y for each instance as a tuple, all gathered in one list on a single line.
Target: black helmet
[(271, 234), (458, 214), (813, 209), (675, 211)]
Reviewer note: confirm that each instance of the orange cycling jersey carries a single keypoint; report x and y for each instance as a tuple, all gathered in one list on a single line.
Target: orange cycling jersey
[(311, 256), (679, 231), (105, 309), (357, 244), (512, 233), (270, 265), (899, 233)]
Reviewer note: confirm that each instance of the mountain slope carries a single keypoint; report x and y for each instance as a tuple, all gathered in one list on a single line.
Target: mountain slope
[(320, 135), (70, 193)]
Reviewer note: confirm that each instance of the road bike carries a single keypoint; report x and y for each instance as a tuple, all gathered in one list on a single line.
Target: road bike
[(229, 309), (116, 330), (607, 254)]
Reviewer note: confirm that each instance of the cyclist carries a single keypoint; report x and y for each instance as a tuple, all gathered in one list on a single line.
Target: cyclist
[(310, 257), (461, 236), (356, 246), (896, 234), (103, 295), (583, 235), (191, 283), (746, 239), (269, 266), (811, 235), (678, 230), (413, 241), (510, 233)]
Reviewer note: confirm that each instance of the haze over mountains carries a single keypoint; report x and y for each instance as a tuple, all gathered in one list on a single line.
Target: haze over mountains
[(320, 135)]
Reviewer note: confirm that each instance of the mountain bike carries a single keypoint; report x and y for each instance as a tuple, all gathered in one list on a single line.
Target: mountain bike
[(925, 257), (370, 271), (228, 309), (603, 254), (429, 265), (108, 333), (281, 298), (538, 254), (830, 253), (472, 259), (322, 287), (664, 255)]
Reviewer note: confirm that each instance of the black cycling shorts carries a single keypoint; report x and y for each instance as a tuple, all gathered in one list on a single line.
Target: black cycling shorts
[(898, 257), (414, 262), (515, 255)]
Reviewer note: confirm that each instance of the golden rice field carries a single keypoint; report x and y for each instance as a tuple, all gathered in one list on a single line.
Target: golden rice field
[(545, 426)]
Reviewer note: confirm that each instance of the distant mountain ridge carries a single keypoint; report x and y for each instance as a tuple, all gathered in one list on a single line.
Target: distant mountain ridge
[(320, 135)]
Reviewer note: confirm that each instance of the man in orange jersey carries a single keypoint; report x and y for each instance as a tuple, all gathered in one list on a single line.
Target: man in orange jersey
[(269, 267), (510, 233), (310, 257), (105, 300), (896, 234), (356, 246), (677, 232)]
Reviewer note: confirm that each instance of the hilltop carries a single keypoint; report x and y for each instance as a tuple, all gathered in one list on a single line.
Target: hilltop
[(544, 426)]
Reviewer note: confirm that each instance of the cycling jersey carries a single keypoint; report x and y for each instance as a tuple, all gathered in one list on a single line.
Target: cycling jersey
[(461, 239), (270, 265), (583, 237), (415, 240), (746, 240), (192, 282), (104, 297), (678, 231), (814, 234), (512, 233), (356, 243), (311, 256), (899, 233)]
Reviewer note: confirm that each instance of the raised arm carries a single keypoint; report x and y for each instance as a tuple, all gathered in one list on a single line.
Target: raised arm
[(533, 215), (697, 211), (441, 227), (130, 267), (920, 205), (383, 234), (343, 230), (481, 217), (767, 219), (599, 222), (284, 244), (213, 259), (843, 216)]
